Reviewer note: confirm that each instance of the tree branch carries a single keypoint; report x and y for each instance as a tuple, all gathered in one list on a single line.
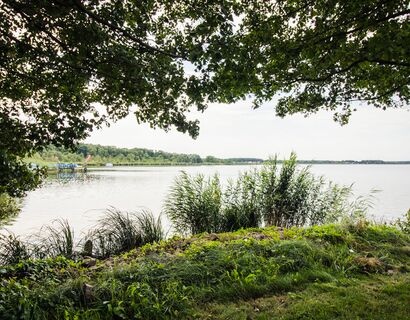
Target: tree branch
[(124, 32)]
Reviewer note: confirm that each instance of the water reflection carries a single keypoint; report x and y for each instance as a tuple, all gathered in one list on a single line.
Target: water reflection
[(66, 177), (81, 198)]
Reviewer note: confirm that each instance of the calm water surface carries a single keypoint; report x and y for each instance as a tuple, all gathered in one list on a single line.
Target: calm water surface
[(82, 199)]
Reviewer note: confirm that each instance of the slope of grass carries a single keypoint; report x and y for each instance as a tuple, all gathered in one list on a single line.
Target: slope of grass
[(350, 271)]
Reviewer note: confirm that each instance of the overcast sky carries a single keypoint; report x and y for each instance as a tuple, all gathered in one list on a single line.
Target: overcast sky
[(238, 131)]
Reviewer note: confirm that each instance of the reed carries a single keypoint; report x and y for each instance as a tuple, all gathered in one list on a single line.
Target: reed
[(241, 205), (150, 227), (282, 196), (194, 203), (12, 249), (120, 231), (54, 240)]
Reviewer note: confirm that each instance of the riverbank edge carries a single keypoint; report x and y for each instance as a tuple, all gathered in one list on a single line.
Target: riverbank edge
[(358, 270)]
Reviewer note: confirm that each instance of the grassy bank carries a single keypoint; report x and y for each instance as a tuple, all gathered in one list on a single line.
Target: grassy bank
[(338, 271)]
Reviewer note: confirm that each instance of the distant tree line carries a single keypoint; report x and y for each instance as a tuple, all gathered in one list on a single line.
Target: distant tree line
[(99, 155), (104, 154)]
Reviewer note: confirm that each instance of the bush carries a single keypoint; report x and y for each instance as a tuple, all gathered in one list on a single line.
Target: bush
[(194, 203), (9, 207)]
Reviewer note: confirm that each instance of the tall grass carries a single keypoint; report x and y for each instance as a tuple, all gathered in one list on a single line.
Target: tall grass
[(12, 249), (120, 231), (194, 204), (116, 232), (54, 240), (241, 203), (293, 196), (282, 196), (151, 227)]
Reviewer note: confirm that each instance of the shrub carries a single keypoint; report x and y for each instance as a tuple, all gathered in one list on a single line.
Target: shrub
[(193, 204), (9, 207)]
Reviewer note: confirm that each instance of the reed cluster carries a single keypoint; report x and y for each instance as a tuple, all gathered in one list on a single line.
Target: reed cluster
[(280, 195), (115, 232)]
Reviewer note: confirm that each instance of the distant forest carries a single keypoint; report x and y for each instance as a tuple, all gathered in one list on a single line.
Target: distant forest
[(100, 155)]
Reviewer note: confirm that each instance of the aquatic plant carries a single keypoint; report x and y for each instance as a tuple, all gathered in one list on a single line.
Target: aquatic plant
[(150, 227), (120, 231), (241, 205), (194, 203), (54, 240), (282, 196)]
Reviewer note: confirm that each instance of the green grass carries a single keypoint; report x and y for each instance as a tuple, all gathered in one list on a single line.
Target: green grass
[(372, 297), (339, 271)]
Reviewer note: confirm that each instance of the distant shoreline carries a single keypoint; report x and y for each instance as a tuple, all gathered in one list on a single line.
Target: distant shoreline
[(94, 167), (100, 156)]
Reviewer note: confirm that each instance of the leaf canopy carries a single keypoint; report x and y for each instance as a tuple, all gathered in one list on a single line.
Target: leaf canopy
[(70, 66)]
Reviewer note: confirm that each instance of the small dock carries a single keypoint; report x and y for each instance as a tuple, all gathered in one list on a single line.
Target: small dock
[(71, 167)]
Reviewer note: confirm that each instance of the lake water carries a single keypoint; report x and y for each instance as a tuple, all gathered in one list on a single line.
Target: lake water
[(82, 199)]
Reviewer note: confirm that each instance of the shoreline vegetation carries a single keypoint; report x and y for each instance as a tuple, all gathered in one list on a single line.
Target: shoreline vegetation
[(101, 155), (276, 243), (349, 270)]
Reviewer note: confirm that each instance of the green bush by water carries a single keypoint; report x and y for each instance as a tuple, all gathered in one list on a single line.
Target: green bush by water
[(9, 207), (281, 196)]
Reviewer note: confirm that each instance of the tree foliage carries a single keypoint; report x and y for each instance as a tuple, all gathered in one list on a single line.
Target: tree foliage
[(70, 66)]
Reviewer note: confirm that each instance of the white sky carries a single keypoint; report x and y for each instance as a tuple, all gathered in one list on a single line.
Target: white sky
[(238, 131)]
